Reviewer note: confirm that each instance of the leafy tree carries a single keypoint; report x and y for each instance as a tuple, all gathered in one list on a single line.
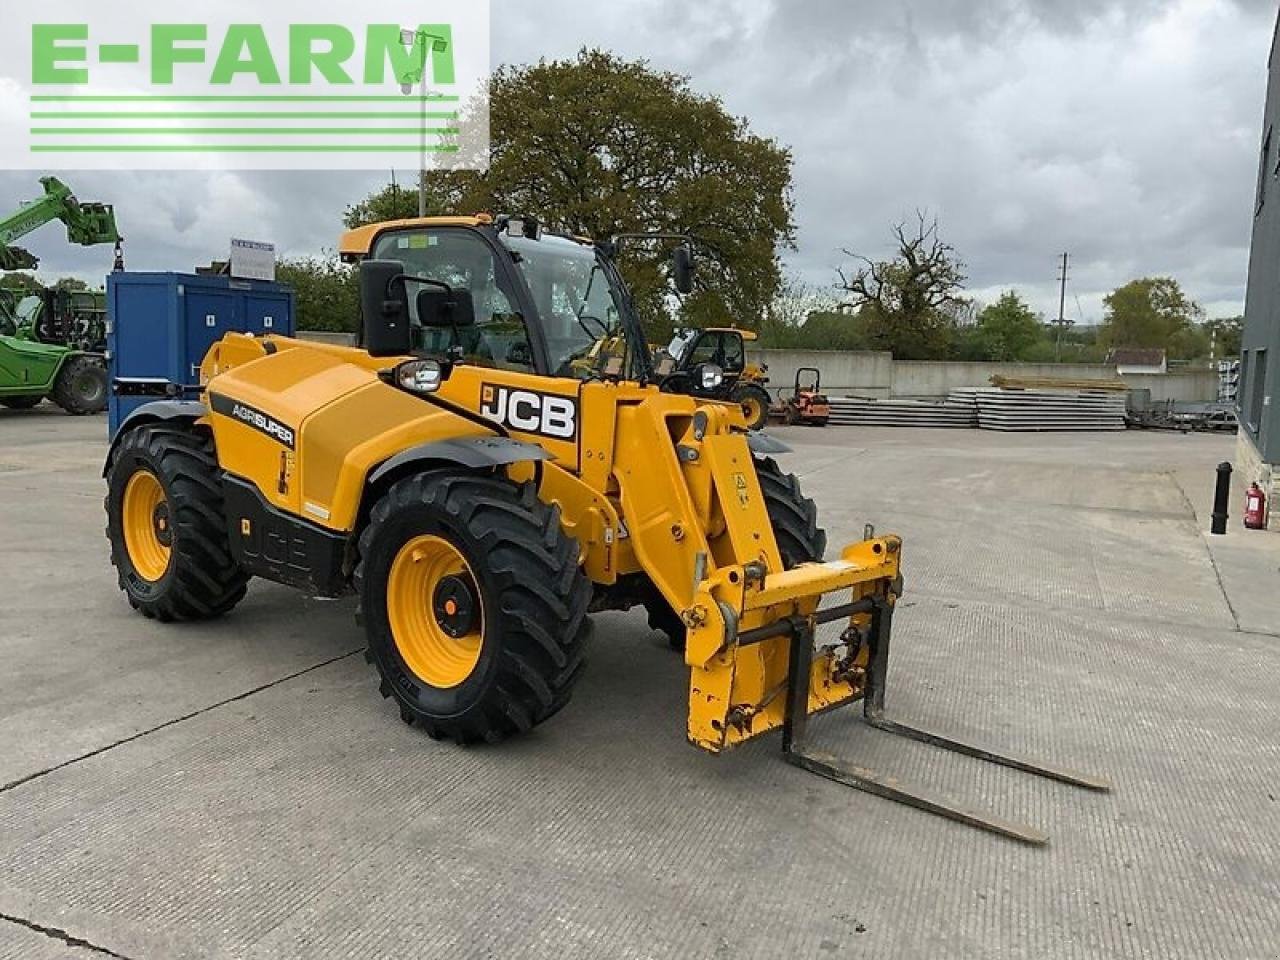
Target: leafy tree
[(73, 284), (398, 202), (796, 320), (326, 290), (1007, 329), (910, 305), (1154, 312), (23, 284), (598, 146)]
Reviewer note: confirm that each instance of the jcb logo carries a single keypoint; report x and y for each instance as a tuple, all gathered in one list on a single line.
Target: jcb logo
[(529, 411)]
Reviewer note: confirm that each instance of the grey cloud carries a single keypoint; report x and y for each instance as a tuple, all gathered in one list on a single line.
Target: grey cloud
[(1126, 133)]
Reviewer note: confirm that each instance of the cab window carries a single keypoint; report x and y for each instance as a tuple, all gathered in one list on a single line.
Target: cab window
[(462, 259), (724, 351)]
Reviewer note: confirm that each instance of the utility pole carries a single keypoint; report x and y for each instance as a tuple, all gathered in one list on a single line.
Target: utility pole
[(418, 40), (1062, 305)]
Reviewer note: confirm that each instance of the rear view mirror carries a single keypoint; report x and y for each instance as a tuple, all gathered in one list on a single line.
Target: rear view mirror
[(384, 308), (446, 308), (682, 269)]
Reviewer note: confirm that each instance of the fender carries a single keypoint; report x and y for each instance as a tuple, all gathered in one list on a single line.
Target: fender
[(158, 411), (763, 443), (474, 453)]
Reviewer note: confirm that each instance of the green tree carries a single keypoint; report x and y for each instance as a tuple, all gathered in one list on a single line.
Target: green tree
[(398, 202), (22, 284), (910, 305), (326, 291), (1007, 329), (598, 146), (1154, 312)]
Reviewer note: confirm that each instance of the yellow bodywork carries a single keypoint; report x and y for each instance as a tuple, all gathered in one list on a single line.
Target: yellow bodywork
[(680, 473), (356, 244), (649, 484)]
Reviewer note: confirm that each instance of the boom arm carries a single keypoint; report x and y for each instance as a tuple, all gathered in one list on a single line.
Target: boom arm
[(88, 224)]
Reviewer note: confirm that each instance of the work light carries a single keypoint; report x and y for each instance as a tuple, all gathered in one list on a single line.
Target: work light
[(420, 376), (710, 376)]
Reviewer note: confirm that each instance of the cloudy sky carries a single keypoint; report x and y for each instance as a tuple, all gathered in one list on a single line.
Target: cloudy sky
[(1124, 132)]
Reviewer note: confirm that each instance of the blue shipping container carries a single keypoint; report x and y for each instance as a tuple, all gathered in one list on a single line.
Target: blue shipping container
[(160, 326)]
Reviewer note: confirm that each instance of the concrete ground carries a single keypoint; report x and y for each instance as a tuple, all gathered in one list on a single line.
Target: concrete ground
[(239, 789)]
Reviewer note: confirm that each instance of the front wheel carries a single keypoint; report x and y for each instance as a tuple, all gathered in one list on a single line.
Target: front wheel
[(81, 386), (473, 604), (754, 401)]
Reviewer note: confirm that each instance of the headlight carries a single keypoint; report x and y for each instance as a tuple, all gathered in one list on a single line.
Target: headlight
[(420, 376), (710, 376)]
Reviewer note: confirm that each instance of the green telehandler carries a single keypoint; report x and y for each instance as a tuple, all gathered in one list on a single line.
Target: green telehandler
[(88, 224), (31, 370)]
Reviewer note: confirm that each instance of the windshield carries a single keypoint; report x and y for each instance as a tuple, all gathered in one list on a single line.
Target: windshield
[(578, 306), (27, 306)]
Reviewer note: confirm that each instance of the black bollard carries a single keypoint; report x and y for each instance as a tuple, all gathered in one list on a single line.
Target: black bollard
[(1221, 496)]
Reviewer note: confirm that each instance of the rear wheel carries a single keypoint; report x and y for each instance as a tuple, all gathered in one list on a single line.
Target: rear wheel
[(754, 401), (167, 526), (81, 386), (20, 403), (794, 519), (473, 604)]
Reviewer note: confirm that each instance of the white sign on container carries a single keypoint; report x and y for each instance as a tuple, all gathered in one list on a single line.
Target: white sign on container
[(251, 260)]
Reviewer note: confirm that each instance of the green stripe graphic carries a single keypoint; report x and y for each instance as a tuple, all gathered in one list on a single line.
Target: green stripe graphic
[(245, 131), (239, 148), (318, 115), (265, 98), (118, 53)]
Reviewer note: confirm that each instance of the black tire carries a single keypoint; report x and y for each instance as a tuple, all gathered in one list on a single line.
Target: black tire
[(744, 391), (81, 386), (21, 403), (532, 593), (794, 518), (202, 580)]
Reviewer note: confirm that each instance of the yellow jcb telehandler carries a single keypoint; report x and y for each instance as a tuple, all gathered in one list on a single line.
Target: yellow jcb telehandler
[(483, 491)]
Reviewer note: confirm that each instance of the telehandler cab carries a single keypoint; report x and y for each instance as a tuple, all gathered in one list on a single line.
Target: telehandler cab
[(483, 491)]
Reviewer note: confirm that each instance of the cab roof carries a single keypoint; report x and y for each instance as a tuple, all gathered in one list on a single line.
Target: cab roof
[(357, 243), (746, 334)]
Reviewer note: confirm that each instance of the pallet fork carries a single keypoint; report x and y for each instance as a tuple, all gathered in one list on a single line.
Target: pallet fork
[(795, 750)]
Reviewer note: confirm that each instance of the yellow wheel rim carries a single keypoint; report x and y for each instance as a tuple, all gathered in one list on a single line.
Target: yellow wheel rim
[(751, 409), (435, 613), (148, 530)]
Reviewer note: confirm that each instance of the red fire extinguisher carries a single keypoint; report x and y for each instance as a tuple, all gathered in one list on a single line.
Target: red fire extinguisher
[(1255, 508)]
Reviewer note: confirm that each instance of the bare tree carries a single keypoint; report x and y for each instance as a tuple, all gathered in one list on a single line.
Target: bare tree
[(910, 304)]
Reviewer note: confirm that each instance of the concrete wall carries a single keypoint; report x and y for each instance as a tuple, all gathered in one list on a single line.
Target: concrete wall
[(324, 336), (879, 375), (844, 373), (1187, 386)]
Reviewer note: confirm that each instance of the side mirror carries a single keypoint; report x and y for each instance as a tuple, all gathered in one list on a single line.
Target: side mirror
[(682, 269), (384, 308), (446, 308)]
